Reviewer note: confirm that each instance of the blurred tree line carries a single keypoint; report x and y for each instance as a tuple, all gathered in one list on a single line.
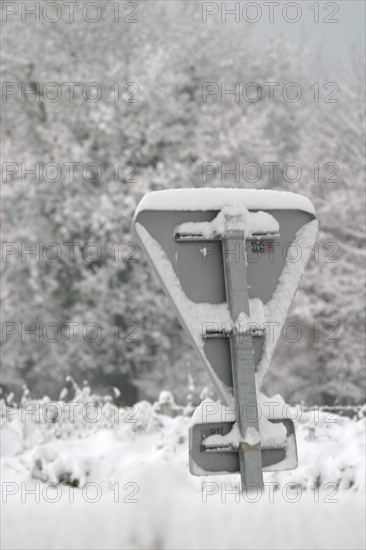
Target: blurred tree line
[(161, 141)]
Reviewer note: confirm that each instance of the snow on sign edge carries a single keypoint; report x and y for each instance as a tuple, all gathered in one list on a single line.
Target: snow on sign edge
[(191, 314), (206, 198), (277, 308)]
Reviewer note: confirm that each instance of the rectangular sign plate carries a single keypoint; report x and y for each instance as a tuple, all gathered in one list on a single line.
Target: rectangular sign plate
[(205, 460)]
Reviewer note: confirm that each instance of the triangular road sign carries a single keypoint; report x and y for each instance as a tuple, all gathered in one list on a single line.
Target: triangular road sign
[(230, 260), (189, 265)]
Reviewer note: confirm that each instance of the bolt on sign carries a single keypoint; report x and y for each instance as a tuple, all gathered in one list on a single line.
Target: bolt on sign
[(230, 261)]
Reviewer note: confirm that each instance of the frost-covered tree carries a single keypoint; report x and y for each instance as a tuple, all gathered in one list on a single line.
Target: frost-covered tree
[(160, 141)]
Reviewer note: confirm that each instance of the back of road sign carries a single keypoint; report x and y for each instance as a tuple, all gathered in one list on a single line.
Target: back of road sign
[(180, 232), (222, 257)]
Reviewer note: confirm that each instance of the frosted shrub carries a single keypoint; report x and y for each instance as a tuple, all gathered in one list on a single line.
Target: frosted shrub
[(35, 421)]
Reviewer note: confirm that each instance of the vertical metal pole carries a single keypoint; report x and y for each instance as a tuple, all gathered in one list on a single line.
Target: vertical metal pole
[(242, 360)]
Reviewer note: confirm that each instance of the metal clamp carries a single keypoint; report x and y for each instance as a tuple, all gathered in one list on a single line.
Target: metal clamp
[(181, 236), (253, 332), (243, 446)]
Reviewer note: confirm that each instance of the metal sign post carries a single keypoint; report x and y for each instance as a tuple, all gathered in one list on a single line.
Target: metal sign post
[(242, 360), (196, 241), (241, 350)]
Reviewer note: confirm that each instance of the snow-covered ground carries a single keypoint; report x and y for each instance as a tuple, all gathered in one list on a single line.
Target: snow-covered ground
[(123, 482)]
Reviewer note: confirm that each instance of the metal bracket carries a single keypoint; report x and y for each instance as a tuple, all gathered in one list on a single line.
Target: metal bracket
[(230, 448), (189, 237), (253, 332)]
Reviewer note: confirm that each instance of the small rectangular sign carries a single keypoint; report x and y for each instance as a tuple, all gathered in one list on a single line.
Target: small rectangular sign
[(209, 460)]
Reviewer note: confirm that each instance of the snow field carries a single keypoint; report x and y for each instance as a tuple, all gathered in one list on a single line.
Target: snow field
[(127, 485)]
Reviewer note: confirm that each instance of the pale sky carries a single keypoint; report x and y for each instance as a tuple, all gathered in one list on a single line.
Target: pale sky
[(332, 41)]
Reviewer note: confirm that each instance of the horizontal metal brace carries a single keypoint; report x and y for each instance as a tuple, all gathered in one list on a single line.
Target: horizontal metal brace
[(254, 332), (243, 446), (189, 237)]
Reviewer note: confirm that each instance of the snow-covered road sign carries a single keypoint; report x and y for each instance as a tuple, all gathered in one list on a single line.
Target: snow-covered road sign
[(210, 455), (230, 260)]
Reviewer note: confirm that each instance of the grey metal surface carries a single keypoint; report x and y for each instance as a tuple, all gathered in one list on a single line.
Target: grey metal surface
[(212, 462), (242, 361), (202, 277)]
